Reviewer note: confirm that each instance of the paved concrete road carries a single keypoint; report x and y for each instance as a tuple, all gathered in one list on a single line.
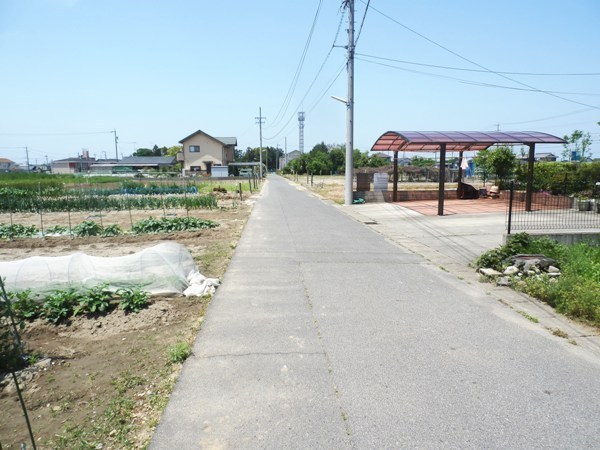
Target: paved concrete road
[(327, 335)]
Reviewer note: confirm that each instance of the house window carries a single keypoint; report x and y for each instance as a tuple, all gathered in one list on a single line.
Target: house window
[(194, 149)]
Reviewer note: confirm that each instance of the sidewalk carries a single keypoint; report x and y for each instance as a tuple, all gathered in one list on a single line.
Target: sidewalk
[(325, 334)]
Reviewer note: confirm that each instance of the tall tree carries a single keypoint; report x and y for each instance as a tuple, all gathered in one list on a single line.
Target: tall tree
[(502, 162), (577, 146)]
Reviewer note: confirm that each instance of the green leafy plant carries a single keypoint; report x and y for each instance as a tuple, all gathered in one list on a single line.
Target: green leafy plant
[(179, 352), (576, 292), (23, 306), (132, 299), (94, 300), (59, 305), (57, 229), (88, 228), (17, 231), (170, 225), (112, 230)]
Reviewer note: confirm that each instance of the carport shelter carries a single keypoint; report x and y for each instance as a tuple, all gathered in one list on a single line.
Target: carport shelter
[(460, 141)]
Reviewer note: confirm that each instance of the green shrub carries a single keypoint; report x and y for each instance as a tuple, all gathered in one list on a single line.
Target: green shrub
[(88, 228), (576, 292), (94, 300), (112, 230), (179, 352), (23, 306), (59, 305), (17, 231), (132, 299), (170, 225), (57, 229)]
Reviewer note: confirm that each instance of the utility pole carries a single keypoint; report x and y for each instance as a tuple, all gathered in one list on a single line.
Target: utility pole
[(27, 156), (349, 197), (285, 153), (260, 120), (116, 148)]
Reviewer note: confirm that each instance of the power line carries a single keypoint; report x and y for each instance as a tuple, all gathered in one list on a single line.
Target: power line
[(475, 83), (294, 83), (362, 22), (464, 69), (333, 45), (479, 65), (55, 134), (579, 111)]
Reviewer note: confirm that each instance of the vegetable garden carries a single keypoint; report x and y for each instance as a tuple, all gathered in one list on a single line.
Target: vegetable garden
[(95, 200)]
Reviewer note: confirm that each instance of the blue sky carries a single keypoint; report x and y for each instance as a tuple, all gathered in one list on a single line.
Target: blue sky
[(156, 71)]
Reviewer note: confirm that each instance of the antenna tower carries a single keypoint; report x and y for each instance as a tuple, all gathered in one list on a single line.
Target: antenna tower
[(301, 131)]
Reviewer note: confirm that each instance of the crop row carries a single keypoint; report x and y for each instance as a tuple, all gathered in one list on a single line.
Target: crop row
[(91, 228), (81, 202)]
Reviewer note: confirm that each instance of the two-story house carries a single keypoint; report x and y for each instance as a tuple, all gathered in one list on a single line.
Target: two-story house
[(201, 152)]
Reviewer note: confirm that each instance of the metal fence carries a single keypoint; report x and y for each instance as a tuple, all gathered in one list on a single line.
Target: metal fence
[(548, 211)]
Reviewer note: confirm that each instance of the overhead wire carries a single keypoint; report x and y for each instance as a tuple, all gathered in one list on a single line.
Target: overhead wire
[(579, 111), (55, 134), (464, 69), (475, 83), (362, 22), (314, 80), (458, 55), (294, 83)]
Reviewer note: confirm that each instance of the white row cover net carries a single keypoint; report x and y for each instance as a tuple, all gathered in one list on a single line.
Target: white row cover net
[(162, 269)]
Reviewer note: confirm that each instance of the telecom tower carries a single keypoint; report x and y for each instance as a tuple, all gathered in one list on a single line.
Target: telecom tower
[(301, 131)]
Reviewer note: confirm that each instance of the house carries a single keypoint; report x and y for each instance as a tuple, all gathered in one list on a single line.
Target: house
[(6, 165), (201, 152), (545, 157), (289, 157), (81, 164), (383, 156)]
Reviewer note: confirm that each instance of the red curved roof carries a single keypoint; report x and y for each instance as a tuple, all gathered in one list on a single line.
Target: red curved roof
[(430, 141)]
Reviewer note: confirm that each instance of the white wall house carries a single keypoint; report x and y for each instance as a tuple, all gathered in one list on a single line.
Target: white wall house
[(201, 152)]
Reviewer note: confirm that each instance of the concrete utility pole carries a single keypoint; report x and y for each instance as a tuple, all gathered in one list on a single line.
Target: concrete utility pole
[(116, 148), (27, 156), (260, 120), (349, 197)]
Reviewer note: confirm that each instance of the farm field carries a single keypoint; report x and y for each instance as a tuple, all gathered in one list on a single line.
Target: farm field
[(101, 382)]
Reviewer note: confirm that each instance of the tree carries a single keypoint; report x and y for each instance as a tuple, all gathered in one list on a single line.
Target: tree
[(419, 161), (502, 162), (577, 146), (337, 156), (173, 150), (319, 164), (319, 148), (143, 152), (482, 164), (360, 159)]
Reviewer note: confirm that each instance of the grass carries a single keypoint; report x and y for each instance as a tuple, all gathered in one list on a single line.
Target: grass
[(529, 317), (576, 293), (179, 352)]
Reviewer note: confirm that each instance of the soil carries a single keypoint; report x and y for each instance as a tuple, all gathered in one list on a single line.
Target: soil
[(101, 382)]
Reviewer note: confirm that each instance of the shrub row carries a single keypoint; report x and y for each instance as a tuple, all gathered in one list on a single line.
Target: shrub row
[(575, 293), (92, 228)]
